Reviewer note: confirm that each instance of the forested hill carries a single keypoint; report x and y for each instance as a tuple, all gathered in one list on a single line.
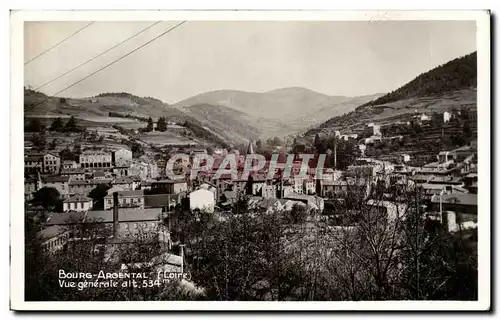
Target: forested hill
[(460, 73), (444, 87)]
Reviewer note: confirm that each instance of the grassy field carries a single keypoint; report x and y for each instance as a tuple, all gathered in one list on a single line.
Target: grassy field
[(165, 138)]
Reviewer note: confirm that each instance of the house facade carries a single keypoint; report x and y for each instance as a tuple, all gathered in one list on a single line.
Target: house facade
[(69, 164), (121, 157), (169, 186), (58, 182), (85, 186), (127, 198), (202, 199), (74, 174), (33, 164), (96, 159), (77, 203), (51, 163)]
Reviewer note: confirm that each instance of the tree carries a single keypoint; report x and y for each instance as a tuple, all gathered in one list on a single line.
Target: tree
[(67, 154), (39, 140), (277, 141), (94, 136), (319, 144), (71, 125), (57, 125), (162, 124), (467, 129), (98, 194), (150, 125), (137, 149), (298, 214), (91, 252), (53, 144), (258, 143), (35, 126), (47, 197)]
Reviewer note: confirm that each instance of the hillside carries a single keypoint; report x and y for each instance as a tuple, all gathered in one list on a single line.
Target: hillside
[(96, 110), (457, 74), (451, 85), (282, 111)]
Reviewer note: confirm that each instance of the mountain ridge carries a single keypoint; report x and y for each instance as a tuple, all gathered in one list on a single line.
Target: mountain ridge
[(438, 89)]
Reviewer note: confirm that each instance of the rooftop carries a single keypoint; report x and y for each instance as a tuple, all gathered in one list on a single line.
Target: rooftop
[(89, 182), (124, 215), (72, 171), (99, 174), (51, 232), (77, 198), (55, 179), (33, 158), (166, 181), (467, 199), (126, 193), (104, 216)]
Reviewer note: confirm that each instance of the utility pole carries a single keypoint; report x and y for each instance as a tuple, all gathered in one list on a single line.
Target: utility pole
[(335, 152), (182, 258)]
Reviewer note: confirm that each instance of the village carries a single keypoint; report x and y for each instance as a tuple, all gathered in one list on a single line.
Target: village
[(106, 184), (286, 181)]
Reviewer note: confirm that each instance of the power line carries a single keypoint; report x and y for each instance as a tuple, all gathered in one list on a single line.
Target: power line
[(113, 62), (97, 56), (60, 42)]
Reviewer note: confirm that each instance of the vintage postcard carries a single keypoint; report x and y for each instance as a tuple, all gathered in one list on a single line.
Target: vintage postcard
[(246, 160)]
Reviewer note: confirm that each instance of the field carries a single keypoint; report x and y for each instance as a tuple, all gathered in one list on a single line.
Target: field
[(165, 138)]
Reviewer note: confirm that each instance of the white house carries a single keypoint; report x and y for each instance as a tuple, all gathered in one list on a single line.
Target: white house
[(202, 199), (374, 129), (405, 157), (362, 148), (121, 156), (77, 203), (446, 117), (69, 164), (424, 117)]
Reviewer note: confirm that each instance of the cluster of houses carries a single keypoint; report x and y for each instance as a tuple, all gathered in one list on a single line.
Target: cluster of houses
[(141, 195)]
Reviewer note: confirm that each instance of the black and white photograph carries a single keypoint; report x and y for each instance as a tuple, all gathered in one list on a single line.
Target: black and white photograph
[(220, 160)]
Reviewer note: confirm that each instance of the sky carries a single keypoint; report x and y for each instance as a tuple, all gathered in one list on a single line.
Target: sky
[(348, 58)]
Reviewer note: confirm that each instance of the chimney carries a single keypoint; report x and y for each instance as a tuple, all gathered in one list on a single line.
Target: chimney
[(335, 152), (115, 214)]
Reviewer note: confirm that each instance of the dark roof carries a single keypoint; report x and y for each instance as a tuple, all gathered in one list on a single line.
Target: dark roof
[(99, 174), (166, 181), (57, 218), (72, 171), (33, 158), (124, 215), (127, 193), (55, 179), (121, 180), (105, 216), (91, 182), (467, 199), (30, 180), (158, 200), (51, 232), (77, 198)]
